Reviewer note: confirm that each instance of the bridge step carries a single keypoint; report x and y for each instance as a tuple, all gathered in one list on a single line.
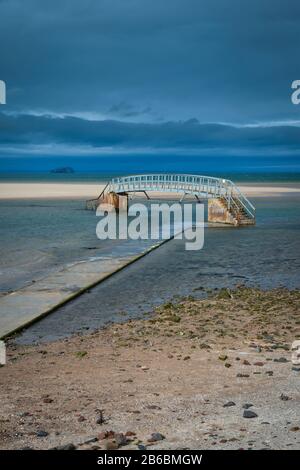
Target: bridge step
[(218, 211), (238, 212)]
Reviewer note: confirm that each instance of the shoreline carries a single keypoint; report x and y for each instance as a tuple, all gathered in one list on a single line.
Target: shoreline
[(70, 190), (216, 356)]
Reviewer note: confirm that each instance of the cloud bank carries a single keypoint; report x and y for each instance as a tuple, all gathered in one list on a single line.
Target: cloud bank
[(59, 135)]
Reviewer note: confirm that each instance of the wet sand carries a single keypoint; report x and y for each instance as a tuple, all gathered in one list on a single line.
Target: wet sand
[(192, 373)]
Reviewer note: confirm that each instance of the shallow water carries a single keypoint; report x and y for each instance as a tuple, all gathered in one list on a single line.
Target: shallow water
[(266, 255)]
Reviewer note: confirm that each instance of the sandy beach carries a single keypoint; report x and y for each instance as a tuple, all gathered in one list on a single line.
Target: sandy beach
[(91, 190), (199, 374)]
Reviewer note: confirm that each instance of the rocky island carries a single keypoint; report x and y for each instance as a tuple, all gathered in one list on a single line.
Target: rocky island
[(64, 169)]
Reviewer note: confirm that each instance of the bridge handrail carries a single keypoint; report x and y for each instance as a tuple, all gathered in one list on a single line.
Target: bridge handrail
[(164, 176), (248, 206), (237, 189)]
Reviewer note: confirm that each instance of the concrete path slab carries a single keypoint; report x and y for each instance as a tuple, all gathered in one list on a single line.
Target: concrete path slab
[(25, 306)]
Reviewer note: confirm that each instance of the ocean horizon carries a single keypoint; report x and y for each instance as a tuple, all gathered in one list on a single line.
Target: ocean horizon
[(97, 176)]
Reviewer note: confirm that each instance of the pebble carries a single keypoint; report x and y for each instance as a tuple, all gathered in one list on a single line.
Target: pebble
[(41, 433), (259, 364), (120, 439), (242, 375), (229, 403), (284, 397), (24, 414), (246, 363), (81, 419), (204, 346), (47, 400), (69, 446), (223, 357), (90, 440), (296, 369), (156, 436), (249, 414), (295, 428), (99, 418), (247, 405), (106, 435), (280, 359), (111, 445)]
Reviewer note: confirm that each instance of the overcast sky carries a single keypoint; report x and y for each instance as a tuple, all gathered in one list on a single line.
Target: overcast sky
[(112, 76)]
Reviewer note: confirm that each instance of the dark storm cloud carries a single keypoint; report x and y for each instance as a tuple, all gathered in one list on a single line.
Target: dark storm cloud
[(24, 131), (218, 60)]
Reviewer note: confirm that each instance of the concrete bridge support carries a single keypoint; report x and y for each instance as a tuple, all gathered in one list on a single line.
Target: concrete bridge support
[(219, 213), (118, 201), (236, 214)]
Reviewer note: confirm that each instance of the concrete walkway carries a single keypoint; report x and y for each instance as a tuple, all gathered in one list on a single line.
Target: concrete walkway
[(25, 306)]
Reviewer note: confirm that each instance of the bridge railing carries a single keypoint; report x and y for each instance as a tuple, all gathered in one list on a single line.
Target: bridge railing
[(163, 182), (236, 197)]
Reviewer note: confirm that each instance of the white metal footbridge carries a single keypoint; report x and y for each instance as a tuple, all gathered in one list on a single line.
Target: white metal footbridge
[(201, 187)]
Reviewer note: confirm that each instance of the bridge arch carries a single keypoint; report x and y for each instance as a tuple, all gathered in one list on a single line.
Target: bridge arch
[(223, 195)]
